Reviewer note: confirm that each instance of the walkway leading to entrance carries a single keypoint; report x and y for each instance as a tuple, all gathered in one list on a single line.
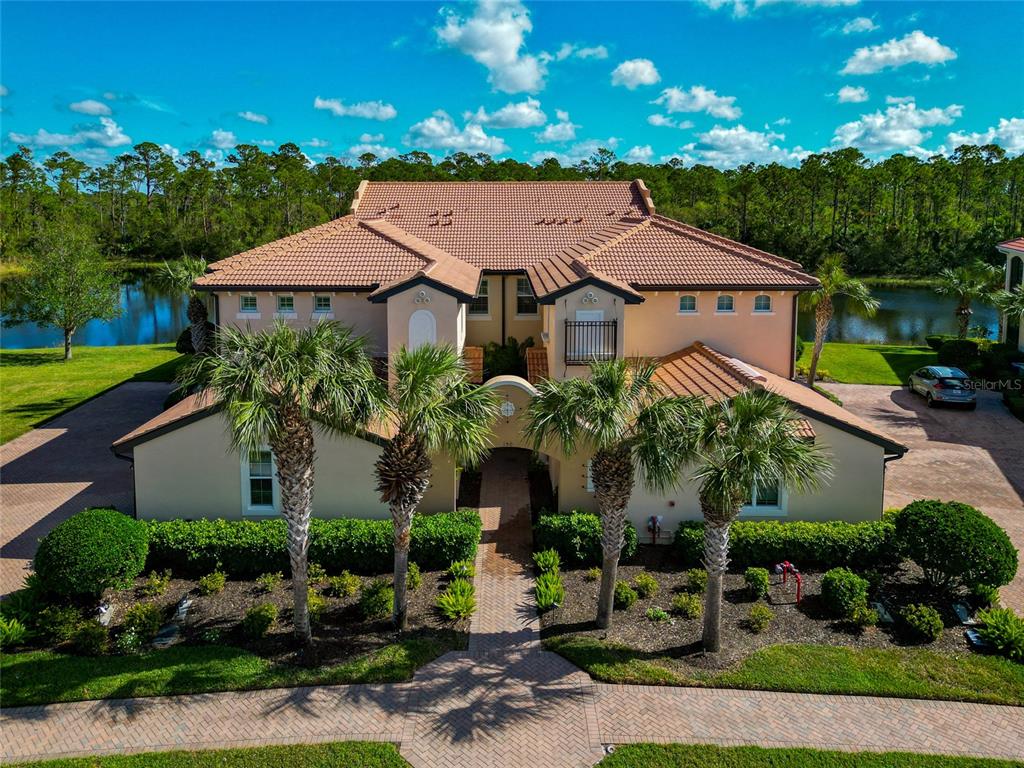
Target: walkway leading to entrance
[(507, 702)]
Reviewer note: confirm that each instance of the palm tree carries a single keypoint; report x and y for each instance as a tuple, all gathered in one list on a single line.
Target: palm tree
[(180, 275), (434, 408), (620, 414), (1011, 304), (834, 282), (275, 386), (967, 284), (735, 446)]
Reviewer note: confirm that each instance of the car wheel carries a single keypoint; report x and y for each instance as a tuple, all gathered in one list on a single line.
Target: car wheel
[(972, 406), (931, 400)]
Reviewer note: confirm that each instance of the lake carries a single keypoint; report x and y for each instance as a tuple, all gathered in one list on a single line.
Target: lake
[(152, 314)]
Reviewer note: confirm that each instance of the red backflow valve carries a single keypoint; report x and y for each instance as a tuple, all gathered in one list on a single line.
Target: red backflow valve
[(786, 568)]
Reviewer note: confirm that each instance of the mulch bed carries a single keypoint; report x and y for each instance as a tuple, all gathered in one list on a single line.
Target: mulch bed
[(680, 638), (342, 633)]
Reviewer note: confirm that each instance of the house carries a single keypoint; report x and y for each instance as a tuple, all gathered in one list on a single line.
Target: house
[(1010, 331), (587, 269)]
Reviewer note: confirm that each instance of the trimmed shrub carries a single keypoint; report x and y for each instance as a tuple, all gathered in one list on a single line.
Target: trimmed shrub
[(985, 596), (863, 616), (156, 583), (922, 622), (144, 619), (90, 639), (806, 544), (935, 341), (128, 643), (462, 569), (413, 577), (688, 605), (959, 353), (549, 591), (657, 614), (244, 549), (345, 585), (547, 561), (645, 585), (316, 604), (458, 601), (316, 574), (759, 618), (593, 574), (57, 624), (954, 543), (268, 582), (625, 596), (212, 583), (577, 537), (758, 581), (1004, 630), (696, 580), (259, 620), (91, 551), (843, 592), (12, 632), (377, 599)]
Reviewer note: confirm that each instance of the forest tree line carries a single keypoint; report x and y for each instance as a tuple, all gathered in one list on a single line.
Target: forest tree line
[(898, 216)]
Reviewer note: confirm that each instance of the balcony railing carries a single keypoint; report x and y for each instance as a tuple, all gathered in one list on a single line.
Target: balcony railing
[(586, 341)]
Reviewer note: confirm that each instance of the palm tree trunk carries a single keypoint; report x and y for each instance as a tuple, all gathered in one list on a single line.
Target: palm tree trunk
[(403, 475), (716, 561), (612, 471), (295, 455), (822, 318), (197, 316), (963, 318)]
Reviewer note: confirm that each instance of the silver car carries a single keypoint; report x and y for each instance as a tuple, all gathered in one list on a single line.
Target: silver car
[(941, 384)]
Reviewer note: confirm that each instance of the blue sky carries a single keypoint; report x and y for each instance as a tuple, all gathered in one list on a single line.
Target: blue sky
[(720, 82)]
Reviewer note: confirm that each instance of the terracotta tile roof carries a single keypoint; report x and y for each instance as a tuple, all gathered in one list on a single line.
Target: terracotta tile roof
[(474, 358), (502, 225), (1014, 245), (536, 364), (440, 266)]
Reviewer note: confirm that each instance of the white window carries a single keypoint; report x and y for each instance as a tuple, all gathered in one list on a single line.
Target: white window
[(688, 305), (590, 477), (767, 500), (247, 304), (260, 494), (725, 303), (526, 302), (286, 305), (762, 303), (480, 305), (422, 328), (321, 303)]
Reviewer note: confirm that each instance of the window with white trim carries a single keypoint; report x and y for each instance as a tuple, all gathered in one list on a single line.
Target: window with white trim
[(725, 303), (321, 303), (762, 303), (526, 302), (590, 476), (285, 304), (260, 494), (480, 304), (688, 305), (767, 500), (247, 304)]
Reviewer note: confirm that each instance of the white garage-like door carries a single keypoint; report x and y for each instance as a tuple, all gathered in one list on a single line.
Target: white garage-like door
[(422, 328)]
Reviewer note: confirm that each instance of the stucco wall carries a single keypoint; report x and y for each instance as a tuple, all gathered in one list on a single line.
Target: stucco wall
[(656, 327), (192, 472), (445, 308), (481, 330), (564, 309)]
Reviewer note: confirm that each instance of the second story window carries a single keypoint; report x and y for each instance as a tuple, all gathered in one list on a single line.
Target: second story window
[(526, 302), (321, 303), (247, 304), (725, 303), (688, 305), (480, 304), (285, 304), (762, 303)]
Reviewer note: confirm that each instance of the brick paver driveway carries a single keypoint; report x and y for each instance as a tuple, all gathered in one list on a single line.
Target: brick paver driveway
[(972, 456), (50, 473)]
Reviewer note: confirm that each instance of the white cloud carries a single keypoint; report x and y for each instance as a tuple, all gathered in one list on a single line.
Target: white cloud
[(634, 73), (901, 127), (89, 107), (730, 147), (110, 96), (371, 110), (374, 149), (577, 152), (3, 90), (171, 150), (91, 155), (254, 117), (858, 25), (1009, 134), (741, 8), (898, 99), (594, 52), (524, 114), (639, 154), (265, 142), (320, 143), (663, 121), (699, 99), (914, 48), (370, 138), (782, 121), (563, 130), (107, 134), (572, 50), (221, 139), (440, 132), (494, 36), (852, 94)]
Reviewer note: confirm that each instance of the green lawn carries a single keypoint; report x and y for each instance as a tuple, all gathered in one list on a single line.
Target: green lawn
[(700, 756), (37, 384), (900, 672), (868, 363), (42, 677), (344, 754)]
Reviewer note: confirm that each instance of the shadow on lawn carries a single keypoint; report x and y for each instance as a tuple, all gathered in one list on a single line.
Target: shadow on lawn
[(903, 361)]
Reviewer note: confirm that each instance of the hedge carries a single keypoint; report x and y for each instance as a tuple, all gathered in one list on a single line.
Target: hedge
[(805, 544), (248, 548), (577, 537)]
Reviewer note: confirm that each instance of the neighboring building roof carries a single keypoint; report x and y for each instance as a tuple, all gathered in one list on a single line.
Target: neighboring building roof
[(1013, 245), (536, 364), (699, 370), (474, 359)]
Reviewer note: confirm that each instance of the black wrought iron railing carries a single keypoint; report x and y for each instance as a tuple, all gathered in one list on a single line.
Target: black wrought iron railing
[(590, 340)]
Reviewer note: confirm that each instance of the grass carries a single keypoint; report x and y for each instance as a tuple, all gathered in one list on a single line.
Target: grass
[(868, 363), (899, 672), (37, 384), (42, 677), (704, 756), (900, 282), (345, 754)]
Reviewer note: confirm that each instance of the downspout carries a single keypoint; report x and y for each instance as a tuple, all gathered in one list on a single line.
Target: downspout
[(792, 339), (501, 341)]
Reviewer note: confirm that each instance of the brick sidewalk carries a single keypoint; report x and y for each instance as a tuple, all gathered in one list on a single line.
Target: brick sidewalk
[(506, 702)]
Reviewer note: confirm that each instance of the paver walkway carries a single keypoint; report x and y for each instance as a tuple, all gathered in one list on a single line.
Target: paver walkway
[(507, 702), (52, 472)]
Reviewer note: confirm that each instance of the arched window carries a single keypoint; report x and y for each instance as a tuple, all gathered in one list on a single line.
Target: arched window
[(422, 328), (762, 303), (688, 305), (1016, 271), (726, 303)]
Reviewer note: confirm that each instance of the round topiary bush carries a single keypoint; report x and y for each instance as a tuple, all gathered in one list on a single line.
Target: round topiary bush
[(95, 549), (844, 592), (954, 543)]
